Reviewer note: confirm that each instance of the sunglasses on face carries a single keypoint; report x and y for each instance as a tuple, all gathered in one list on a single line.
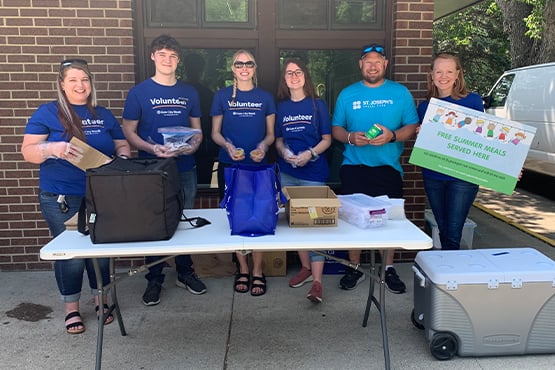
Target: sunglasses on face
[(69, 62), (248, 64), (377, 48), (297, 73)]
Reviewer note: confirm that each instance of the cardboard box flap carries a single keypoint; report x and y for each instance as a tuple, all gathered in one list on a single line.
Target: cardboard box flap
[(310, 196)]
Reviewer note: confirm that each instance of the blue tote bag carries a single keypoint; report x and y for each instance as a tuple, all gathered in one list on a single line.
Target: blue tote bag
[(251, 200)]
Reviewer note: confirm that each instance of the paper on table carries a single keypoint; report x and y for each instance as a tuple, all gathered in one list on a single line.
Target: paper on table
[(92, 158)]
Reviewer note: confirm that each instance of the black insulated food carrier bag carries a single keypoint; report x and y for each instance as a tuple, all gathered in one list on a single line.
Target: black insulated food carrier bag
[(131, 200)]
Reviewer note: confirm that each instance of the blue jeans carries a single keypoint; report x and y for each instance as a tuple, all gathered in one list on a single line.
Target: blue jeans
[(183, 263), (288, 180), (450, 201), (189, 186), (69, 273)]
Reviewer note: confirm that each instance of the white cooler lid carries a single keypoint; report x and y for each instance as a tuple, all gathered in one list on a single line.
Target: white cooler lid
[(479, 266)]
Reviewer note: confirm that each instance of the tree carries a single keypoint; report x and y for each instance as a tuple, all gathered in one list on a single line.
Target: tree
[(476, 34), (530, 29)]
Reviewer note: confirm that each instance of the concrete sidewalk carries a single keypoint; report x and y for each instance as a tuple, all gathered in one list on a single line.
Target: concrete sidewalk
[(226, 330)]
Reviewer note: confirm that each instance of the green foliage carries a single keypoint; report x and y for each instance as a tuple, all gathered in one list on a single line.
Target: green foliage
[(535, 21), (476, 35)]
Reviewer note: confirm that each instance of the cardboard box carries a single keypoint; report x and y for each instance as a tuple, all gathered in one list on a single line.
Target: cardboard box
[(311, 206), (467, 233), (274, 263)]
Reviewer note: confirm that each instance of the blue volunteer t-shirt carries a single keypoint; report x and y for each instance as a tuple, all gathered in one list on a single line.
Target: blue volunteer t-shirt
[(359, 107), (472, 101), (244, 120), (301, 125), (101, 129), (155, 106)]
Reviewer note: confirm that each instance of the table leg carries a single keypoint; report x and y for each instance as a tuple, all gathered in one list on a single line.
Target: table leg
[(381, 308), (115, 303), (380, 304), (101, 290), (371, 297), (100, 334)]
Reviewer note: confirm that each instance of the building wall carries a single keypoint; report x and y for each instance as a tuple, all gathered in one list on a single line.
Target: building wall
[(35, 35)]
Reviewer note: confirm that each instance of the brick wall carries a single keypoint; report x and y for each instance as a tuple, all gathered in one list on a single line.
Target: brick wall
[(412, 39), (35, 35)]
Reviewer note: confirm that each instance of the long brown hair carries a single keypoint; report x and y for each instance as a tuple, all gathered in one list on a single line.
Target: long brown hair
[(69, 119), (459, 89), (283, 92)]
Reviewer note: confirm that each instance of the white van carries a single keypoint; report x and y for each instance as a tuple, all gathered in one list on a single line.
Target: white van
[(527, 95)]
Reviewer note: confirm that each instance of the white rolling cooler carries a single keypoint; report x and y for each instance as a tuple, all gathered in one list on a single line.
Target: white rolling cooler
[(485, 302)]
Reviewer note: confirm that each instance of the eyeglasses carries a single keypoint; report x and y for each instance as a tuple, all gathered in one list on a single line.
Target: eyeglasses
[(377, 48), (248, 64), (69, 62), (296, 73)]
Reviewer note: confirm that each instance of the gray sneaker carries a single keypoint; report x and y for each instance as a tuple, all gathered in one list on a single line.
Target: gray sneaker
[(151, 296), (192, 283)]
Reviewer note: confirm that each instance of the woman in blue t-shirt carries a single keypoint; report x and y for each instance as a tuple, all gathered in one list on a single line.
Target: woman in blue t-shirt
[(449, 197), (303, 134), (61, 183), (243, 118)]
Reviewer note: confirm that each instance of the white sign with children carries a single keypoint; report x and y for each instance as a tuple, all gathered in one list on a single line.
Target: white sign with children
[(473, 146)]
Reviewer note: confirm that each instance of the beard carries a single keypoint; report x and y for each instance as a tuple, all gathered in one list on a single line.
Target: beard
[(375, 79)]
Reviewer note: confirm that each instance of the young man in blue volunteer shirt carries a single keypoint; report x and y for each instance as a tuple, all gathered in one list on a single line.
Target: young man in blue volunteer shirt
[(163, 101), (372, 166)]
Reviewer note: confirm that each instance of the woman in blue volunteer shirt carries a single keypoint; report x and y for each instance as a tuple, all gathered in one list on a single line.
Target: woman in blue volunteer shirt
[(450, 198), (303, 134), (62, 184), (243, 117)]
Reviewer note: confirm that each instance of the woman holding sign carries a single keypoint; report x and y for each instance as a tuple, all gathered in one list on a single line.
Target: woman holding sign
[(449, 197)]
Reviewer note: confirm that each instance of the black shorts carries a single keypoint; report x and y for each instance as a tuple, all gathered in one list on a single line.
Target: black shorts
[(373, 181)]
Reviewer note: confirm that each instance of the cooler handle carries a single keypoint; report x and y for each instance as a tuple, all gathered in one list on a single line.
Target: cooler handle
[(420, 276)]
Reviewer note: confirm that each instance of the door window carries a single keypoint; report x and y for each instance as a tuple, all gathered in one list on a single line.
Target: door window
[(501, 91)]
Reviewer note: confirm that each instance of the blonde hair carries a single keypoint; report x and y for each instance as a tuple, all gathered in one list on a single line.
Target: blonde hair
[(459, 88), (233, 60)]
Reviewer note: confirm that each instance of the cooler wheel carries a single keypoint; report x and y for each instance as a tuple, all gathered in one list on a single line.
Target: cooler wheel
[(443, 346), (414, 321)]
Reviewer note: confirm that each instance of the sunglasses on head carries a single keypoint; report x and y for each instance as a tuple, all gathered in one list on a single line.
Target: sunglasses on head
[(69, 62), (248, 64), (376, 48)]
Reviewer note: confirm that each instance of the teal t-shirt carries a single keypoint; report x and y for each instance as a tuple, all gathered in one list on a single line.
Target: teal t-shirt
[(358, 107)]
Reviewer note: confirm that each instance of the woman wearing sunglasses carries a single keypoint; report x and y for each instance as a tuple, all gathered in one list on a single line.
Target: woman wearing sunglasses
[(243, 118), (62, 184), (303, 134)]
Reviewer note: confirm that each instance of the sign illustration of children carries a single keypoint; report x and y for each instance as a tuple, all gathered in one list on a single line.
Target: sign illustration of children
[(491, 128), (519, 136), (439, 113), (504, 132), (465, 121), (450, 117), (479, 126)]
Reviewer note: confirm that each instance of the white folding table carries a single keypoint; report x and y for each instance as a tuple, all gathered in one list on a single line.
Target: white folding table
[(216, 238)]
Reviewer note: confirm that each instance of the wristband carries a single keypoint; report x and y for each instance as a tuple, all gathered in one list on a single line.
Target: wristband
[(394, 137), (349, 139), (313, 154)]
